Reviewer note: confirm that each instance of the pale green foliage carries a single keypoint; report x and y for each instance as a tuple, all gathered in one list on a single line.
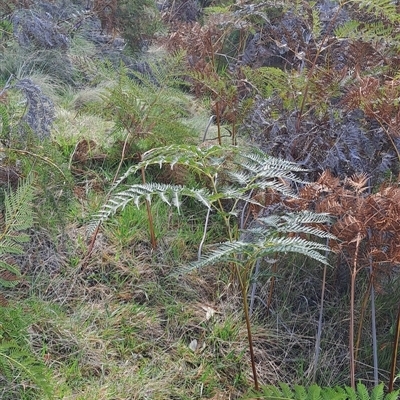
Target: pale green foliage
[(148, 107), (246, 170), (18, 217), (315, 392), (232, 174), (265, 244), (317, 25), (384, 28), (170, 194)]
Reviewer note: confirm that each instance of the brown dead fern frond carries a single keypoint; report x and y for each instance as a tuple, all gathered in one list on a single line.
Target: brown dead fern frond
[(358, 182), (106, 12)]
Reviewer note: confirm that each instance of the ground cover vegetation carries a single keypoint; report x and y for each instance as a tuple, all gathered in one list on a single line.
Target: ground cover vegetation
[(199, 199)]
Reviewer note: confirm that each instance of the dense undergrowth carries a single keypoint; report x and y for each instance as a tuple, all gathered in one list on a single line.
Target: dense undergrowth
[(200, 203)]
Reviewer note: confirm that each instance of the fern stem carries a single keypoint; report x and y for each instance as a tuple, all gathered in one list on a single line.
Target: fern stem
[(149, 216), (362, 313), (204, 234), (351, 330), (373, 308), (319, 332), (218, 122), (243, 289), (373, 331), (96, 231), (394, 352), (254, 287)]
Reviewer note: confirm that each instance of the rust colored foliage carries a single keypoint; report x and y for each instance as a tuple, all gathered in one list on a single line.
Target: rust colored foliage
[(372, 218), (106, 12), (378, 99)]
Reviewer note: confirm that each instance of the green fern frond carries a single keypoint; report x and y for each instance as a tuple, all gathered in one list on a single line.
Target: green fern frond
[(204, 161), (336, 393), (18, 210), (301, 393), (315, 392), (268, 80), (251, 167), (148, 105), (362, 392), (317, 24), (264, 244), (347, 30), (351, 393), (393, 395), (18, 364), (377, 392), (299, 223), (379, 8), (18, 217), (5, 281), (372, 32), (169, 194), (286, 391), (264, 166), (16, 358)]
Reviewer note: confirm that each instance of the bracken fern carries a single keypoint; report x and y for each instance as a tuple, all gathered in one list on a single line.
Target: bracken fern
[(17, 218), (230, 176), (315, 392)]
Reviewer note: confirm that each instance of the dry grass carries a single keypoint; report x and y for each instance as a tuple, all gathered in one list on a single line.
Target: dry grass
[(122, 326)]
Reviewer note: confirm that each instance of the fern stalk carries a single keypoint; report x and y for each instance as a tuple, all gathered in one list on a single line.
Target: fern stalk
[(394, 352), (373, 330), (352, 299), (362, 314), (149, 216), (274, 270), (319, 331), (243, 288)]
